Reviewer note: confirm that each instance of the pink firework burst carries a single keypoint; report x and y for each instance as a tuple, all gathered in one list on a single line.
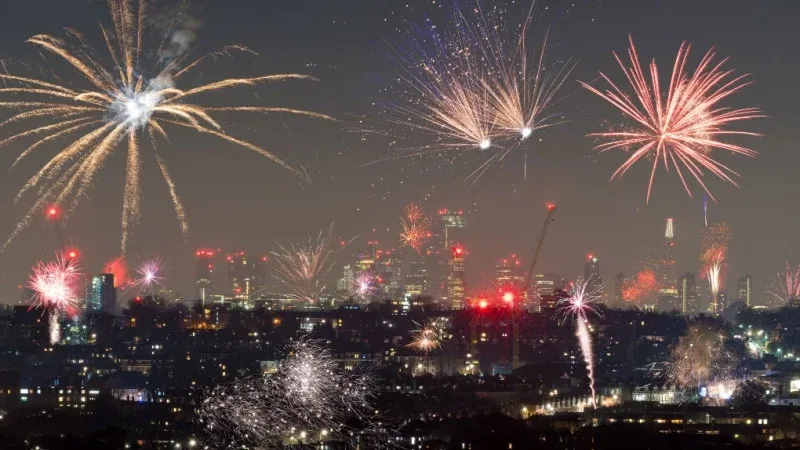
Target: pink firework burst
[(786, 285), (682, 126), (55, 285)]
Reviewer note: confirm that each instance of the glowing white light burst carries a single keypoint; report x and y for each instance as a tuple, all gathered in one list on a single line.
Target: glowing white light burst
[(116, 106), (700, 357), (364, 286), (310, 393), (582, 296), (680, 127)]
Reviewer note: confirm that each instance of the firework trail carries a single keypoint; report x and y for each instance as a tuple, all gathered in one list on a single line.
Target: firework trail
[(714, 242), (476, 83), (416, 227), (680, 127), (305, 267), (117, 106), (785, 287), (700, 357), (577, 306), (309, 399), (55, 285)]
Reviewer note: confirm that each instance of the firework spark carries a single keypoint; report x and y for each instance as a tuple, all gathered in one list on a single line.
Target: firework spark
[(117, 106), (305, 267), (364, 286), (416, 227), (309, 399), (475, 85), (55, 285), (700, 357), (680, 127), (786, 285), (582, 296), (713, 254), (148, 275), (425, 339)]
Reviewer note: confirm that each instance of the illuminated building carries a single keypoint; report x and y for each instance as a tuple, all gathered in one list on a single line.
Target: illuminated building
[(619, 284), (348, 278), (508, 274), (688, 294), (205, 269), (245, 274), (389, 270), (450, 228), (102, 296), (365, 261), (745, 289), (417, 282), (668, 287), (591, 273), (455, 278)]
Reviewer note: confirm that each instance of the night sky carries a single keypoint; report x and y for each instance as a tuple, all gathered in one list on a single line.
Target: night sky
[(236, 200)]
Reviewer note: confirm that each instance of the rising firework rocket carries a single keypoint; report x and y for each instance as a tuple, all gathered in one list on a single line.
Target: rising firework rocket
[(714, 242), (680, 127), (582, 296), (117, 107)]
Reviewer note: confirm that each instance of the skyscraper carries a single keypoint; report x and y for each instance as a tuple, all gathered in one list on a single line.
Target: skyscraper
[(668, 282), (455, 278), (417, 281), (688, 294), (348, 279), (245, 274), (205, 269), (508, 273), (745, 289), (591, 274), (619, 285), (102, 296)]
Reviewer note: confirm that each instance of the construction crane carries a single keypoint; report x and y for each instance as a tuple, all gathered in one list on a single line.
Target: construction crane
[(551, 210)]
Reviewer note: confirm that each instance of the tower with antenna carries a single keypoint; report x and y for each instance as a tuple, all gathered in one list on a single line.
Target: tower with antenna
[(668, 291)]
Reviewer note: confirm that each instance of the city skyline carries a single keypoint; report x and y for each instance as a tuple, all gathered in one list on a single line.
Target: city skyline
[(608, 219)]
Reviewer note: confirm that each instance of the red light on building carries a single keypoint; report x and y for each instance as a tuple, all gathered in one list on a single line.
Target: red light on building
[(589, 256), (551, 206)]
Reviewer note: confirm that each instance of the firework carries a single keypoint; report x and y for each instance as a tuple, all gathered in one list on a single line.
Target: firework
[(475, 84), (700, 357), (577, 306), (117, 106), (713, 254), (55, 285), (785, 286), (119, 268), (425, 339), (309, 399), (416, 227), (148, 275), (680, 127), (644, 284), (364, 286), (305, 267)]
